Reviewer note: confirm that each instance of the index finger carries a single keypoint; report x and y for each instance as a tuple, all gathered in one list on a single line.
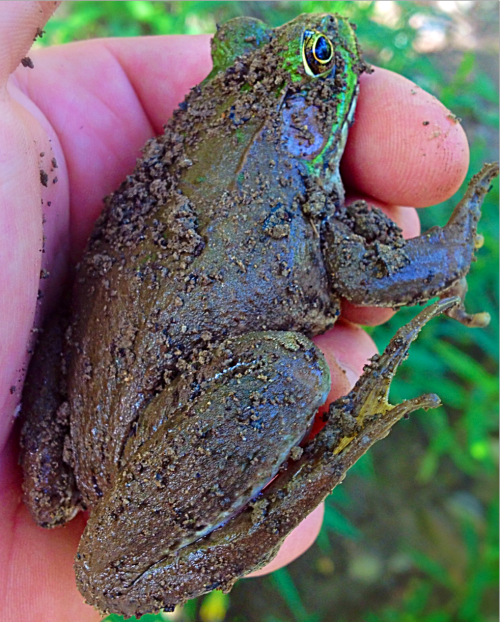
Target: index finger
[(405, 147)]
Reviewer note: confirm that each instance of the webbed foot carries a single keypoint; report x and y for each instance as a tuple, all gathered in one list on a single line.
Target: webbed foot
[(371, 265)]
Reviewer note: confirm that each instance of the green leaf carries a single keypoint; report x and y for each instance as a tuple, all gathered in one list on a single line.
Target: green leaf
[(283, 582), (214, 607), (339, 524)]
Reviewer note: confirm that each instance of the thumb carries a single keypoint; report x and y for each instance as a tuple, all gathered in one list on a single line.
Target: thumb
[(20, 22), (22, 140)]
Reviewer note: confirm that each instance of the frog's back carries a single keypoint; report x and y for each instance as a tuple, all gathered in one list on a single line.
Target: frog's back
[(187, 252)]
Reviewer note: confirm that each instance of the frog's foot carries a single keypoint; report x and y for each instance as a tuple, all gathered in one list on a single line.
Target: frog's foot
[(458, 312), (49, 486), (371, 265), (252, 537)]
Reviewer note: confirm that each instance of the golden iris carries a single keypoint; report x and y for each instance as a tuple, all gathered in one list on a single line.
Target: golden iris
[(317, 53)]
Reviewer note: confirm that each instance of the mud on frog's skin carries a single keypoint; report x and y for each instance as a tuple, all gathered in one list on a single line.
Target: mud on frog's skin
[(187, 379)]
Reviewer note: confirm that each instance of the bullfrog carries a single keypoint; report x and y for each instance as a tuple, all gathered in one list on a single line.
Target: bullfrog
[(173, 396)]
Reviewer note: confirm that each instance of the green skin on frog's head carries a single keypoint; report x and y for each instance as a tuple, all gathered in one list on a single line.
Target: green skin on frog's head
[(316, 63)]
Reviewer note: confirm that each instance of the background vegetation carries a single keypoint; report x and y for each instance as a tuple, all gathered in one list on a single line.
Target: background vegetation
[(412, 534)]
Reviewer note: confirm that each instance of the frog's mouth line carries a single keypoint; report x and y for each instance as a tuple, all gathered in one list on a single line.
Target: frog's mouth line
[(343, 135)]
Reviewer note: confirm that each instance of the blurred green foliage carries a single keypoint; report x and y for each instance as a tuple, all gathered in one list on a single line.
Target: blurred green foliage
[(459, 364)]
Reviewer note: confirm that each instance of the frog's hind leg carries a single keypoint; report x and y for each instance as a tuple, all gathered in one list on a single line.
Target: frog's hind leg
[(49, 486), (252, 537), (194, 464), (372, 265)]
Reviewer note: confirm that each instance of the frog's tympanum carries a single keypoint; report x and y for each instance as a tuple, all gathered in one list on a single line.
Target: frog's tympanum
[(176, 402)]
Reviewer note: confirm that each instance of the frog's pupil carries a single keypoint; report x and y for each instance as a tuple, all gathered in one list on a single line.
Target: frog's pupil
[(323, 49)]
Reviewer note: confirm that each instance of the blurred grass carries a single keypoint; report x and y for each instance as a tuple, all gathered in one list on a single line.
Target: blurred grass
[(459, 440)]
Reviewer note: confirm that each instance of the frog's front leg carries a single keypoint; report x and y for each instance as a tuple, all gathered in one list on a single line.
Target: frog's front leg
[(248, 410), (49, 486), (371, 265)]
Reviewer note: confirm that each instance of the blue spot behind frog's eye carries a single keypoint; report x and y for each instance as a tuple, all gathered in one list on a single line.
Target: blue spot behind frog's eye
[(323, 49), (317, 54)]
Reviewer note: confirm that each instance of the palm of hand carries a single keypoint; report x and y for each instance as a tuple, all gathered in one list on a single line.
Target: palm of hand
[(91, 106)]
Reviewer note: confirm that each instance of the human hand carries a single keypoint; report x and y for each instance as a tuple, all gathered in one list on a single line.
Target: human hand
[(92, 105)]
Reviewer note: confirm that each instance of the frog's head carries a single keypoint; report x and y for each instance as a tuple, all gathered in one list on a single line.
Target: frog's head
[(306, 73)]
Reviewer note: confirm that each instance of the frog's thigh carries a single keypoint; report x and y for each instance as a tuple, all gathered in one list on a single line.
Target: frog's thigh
[(253, 536), (371, 265), (198, 466), (49, 486)]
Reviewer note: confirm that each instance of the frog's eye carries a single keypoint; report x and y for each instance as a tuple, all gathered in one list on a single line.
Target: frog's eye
[(317, 53)]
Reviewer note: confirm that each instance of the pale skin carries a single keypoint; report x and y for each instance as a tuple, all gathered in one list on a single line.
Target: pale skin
[(92, 105)]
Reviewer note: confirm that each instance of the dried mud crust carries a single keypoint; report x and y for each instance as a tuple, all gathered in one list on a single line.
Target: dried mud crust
[(45, 433), (255, 403), (380, 234), (149, 221)]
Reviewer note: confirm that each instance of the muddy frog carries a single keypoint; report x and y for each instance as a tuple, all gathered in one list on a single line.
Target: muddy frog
[(175, 397)]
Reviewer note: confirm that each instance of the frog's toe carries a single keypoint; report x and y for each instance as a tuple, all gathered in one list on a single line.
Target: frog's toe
[(371, 265), (458, 312)]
